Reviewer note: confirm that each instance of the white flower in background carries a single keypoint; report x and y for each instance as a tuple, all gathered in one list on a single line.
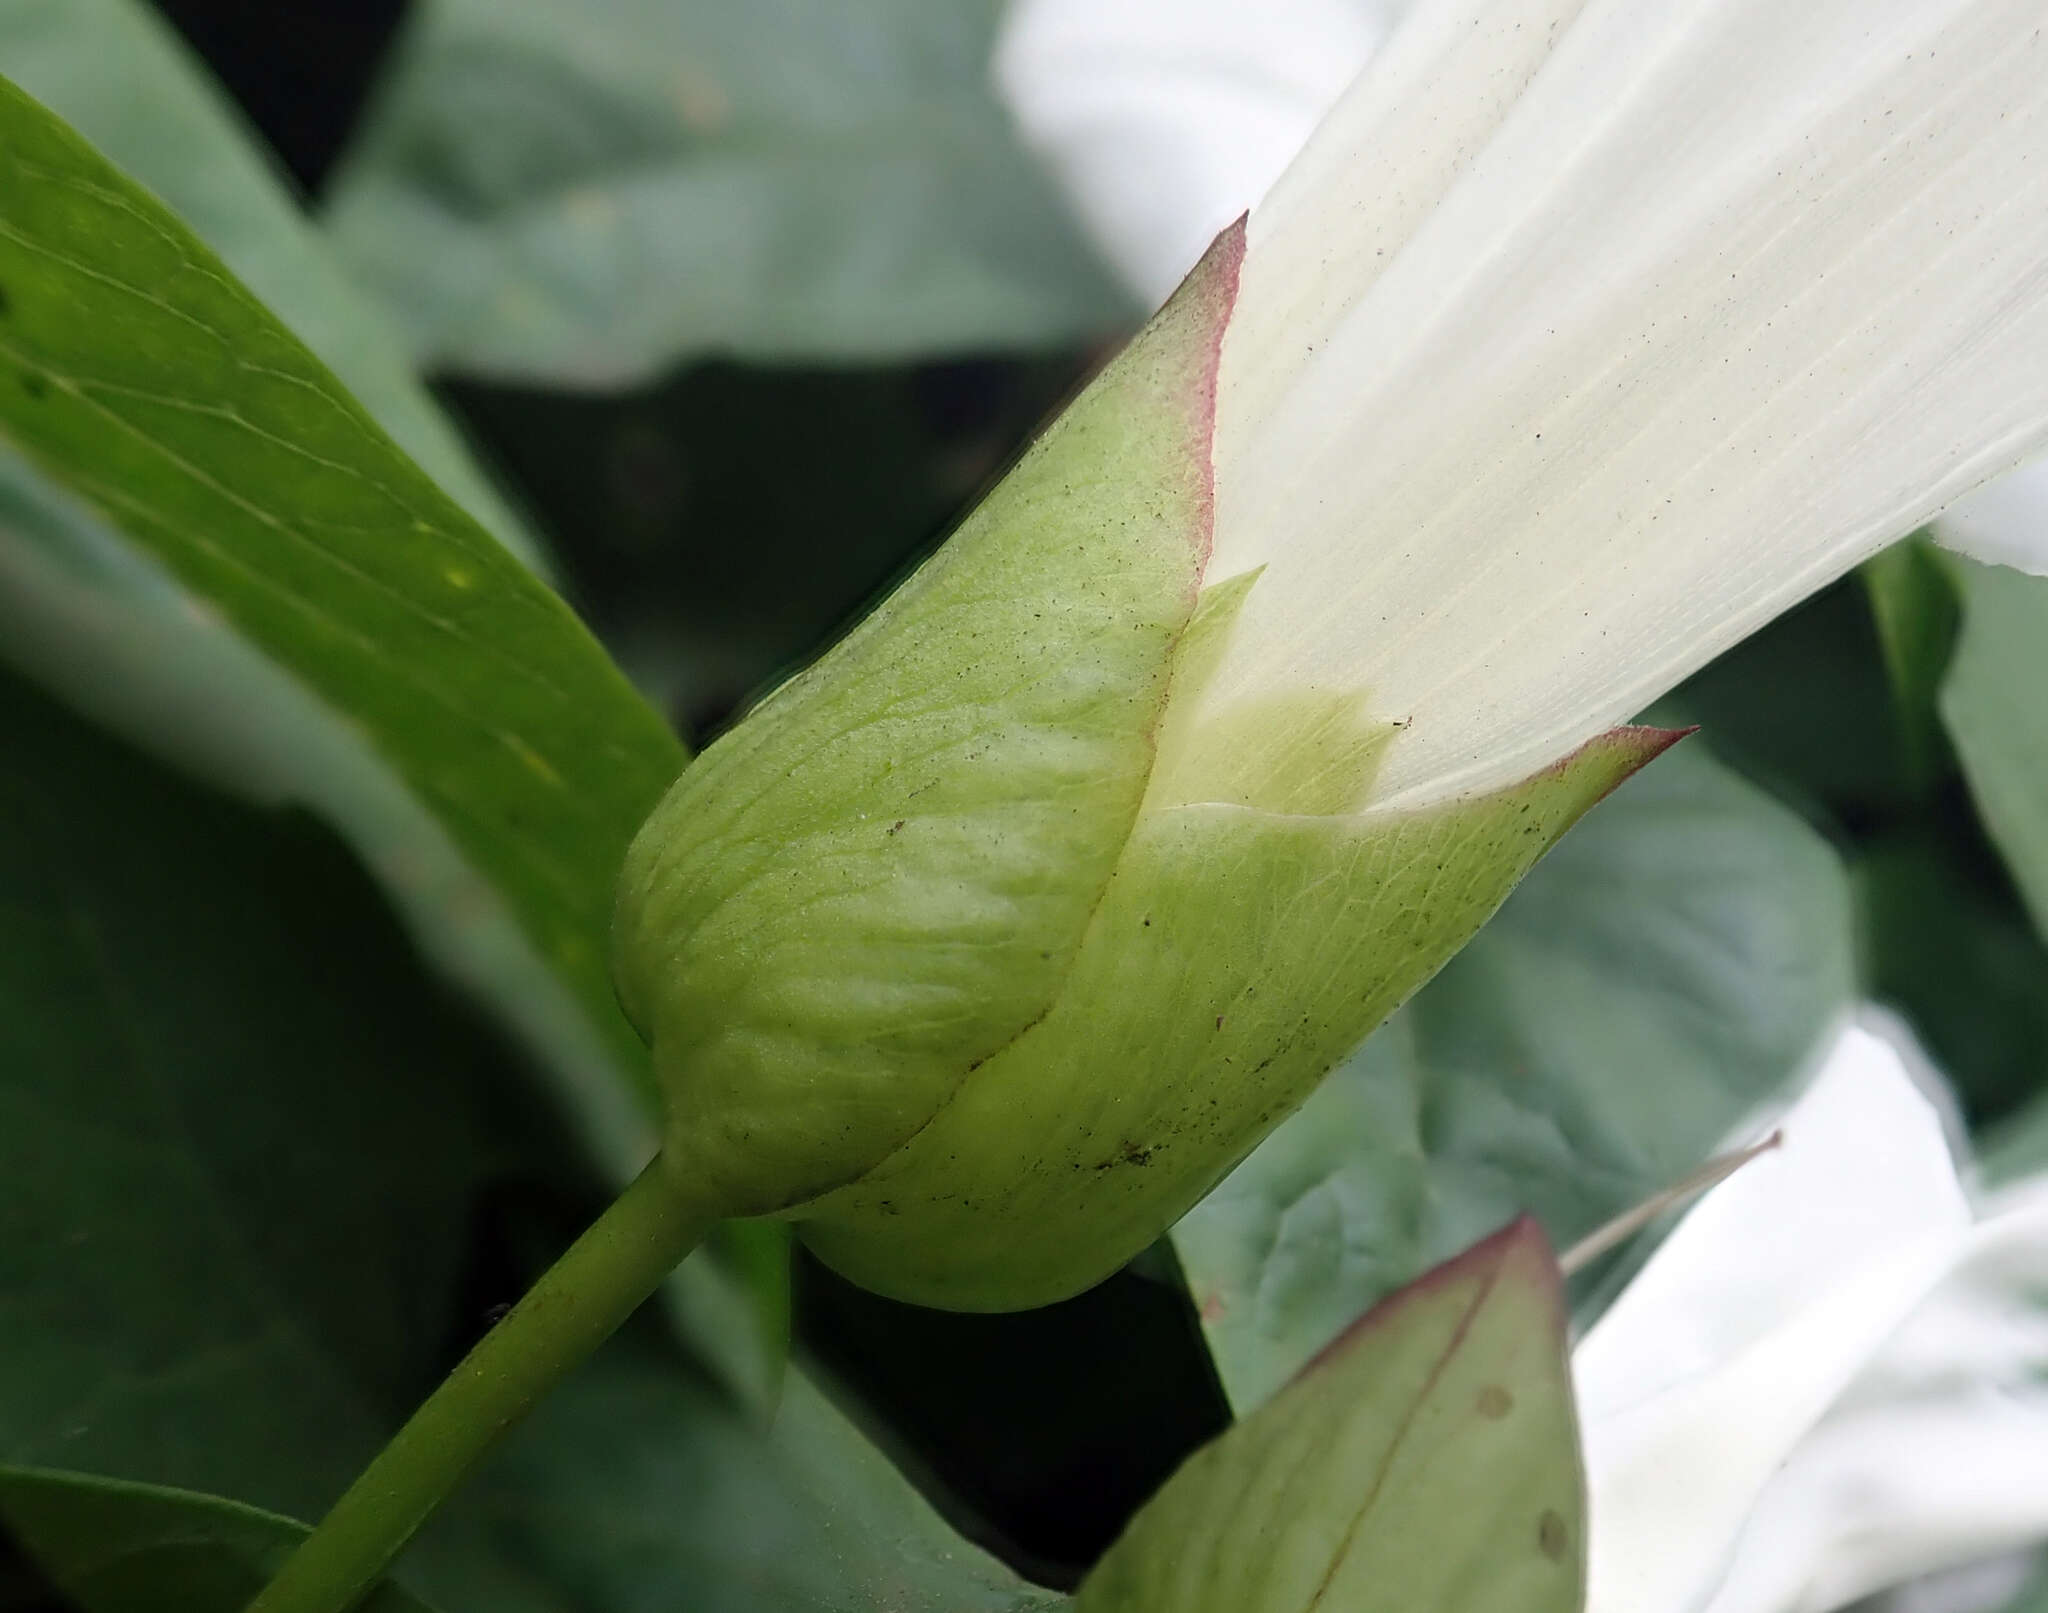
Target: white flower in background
[(1166, 119), (1828, 1380), (1642, 320), (2005, 523)]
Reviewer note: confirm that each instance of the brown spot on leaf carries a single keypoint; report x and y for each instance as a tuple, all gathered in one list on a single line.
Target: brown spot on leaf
[(1495, 1402), (1553, 1538), (1128, 1153)]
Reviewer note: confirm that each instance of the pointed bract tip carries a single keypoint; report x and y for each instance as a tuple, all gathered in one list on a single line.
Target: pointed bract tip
[(1629, 748), (1213, 281), (1639, 743), (1519, 1254), (1201, 307)]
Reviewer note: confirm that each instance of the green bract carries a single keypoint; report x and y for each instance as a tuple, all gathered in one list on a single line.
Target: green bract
[(1426, 1462), (962, 954)]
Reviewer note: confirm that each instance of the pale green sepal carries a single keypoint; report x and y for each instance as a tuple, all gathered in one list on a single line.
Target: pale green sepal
[(883, 874), (1236, 958), (1429, 1459), (1310, 750)]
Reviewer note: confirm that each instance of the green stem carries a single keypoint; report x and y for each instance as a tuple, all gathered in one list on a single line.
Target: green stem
[(577, 1304)]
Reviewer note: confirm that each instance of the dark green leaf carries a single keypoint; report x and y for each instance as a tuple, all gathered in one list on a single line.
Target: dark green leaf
[(635, 1488), (2018, 1146), (1667, 966), (240, 1133), (1805, 707), (1832, 708), (115, 72), (1946, 942), (1913, 604), (113, 1547), (1998, 719), (175, 672), (136, 371), (587, 191), (1428, 1459), (242, 1140), (91, 616)]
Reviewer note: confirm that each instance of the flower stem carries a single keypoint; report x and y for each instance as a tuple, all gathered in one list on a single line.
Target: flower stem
[(1626, 1226), (577, 1304)]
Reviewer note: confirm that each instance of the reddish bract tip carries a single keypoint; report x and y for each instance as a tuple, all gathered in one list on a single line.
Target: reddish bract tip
[(1650, 741), (1634, 745), (1519, 1253), (1211, 288)]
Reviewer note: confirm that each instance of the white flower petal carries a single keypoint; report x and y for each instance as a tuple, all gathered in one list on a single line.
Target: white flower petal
[(2005, 522), (1865, 1167), (1752, 1318), (1937, 1455), (1166, 119), (1585, 337)]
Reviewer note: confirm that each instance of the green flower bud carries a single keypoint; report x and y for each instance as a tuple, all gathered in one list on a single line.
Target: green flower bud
[(966, 954)]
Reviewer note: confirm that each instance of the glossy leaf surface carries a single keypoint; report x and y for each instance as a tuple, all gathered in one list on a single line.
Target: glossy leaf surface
[(151, 384)]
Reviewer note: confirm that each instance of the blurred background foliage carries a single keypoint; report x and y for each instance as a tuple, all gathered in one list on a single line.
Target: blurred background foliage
[(738, 306)]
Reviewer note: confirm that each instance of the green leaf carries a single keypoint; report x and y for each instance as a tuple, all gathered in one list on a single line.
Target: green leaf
[(1946, 941), (1665, 967), (1428, 1459), (634, 1487), (137, 372), (173, 663), (2017, 1147), (240, 1133), (113, 1547), (1914, 607), (1996, 716), (95, 618), (242, 1139), (1806, 707), (588, 191), (118, 74)]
